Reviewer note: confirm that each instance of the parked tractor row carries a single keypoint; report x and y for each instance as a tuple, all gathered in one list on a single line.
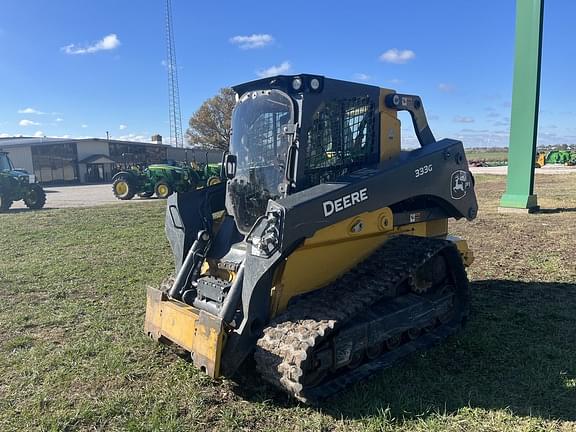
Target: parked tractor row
[(163, 180), (16, 185), (562, 157)]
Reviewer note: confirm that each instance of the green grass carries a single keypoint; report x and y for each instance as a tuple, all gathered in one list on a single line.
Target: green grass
[(73, 355), (488, 156)]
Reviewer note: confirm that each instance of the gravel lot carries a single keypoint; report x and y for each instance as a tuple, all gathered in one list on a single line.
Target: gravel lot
[(81, 196)]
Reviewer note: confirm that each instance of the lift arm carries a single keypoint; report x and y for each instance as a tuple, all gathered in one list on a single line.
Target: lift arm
[(413, 104)]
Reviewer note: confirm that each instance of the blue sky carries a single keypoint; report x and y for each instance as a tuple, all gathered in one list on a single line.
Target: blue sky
[(83, 67)]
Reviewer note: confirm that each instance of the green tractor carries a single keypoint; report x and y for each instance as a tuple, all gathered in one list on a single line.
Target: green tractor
[(556, 157), (16, 185), (209, 174), (163, 180)]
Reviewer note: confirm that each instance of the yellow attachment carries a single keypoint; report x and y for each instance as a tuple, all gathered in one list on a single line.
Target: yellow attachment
[(334, 250), (208, 343), (389, 128), (196, 331), (121, 188)]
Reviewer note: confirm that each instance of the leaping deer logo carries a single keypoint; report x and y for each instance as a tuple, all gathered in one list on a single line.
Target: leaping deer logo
[(460, 184)]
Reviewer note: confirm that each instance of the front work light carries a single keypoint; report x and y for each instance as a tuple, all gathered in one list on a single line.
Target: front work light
[(314, 84), (297, 83)]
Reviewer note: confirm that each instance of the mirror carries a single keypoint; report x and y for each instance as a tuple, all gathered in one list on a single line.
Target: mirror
[(230, 165)]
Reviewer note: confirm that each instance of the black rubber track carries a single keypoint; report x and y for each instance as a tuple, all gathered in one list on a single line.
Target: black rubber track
[(290, 339)]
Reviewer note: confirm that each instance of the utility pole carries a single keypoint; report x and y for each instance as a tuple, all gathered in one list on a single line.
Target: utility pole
[(519, 195)]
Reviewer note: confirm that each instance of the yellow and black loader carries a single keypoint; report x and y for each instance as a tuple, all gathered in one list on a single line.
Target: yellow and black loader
[(326, 255)]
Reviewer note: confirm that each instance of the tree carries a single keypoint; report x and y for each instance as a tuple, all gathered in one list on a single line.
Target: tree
[(210, 126)]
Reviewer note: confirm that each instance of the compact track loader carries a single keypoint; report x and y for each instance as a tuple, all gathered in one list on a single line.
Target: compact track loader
[(326, 255)]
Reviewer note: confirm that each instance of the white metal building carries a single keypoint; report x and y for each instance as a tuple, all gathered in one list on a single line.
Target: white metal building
[(92, 160)]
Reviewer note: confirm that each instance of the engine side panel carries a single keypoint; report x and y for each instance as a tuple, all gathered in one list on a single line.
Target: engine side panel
[(334, 250)]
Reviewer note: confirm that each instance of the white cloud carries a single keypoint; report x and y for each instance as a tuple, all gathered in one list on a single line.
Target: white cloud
[(361, 77), (122, 127), (285, 67), (252, 41), (134, 137), (482, 138), (446, 88), (39, 134), (108, 42), (395, 81), (28, 123), (463, 119), (84, 126), (397, 56), (30, 111), (59, 119)]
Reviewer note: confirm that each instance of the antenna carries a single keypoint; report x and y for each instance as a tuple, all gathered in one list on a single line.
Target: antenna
[(173, 90)]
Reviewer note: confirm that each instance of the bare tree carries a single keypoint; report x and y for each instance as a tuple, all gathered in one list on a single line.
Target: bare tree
[(210, 125)]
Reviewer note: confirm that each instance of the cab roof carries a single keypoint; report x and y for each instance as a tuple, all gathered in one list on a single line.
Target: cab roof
[(284, 82)]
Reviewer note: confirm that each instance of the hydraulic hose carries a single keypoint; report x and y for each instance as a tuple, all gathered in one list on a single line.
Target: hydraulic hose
[(233, 298), (193, 259)]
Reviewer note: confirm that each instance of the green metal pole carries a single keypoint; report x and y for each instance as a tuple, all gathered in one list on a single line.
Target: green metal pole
[(525, 99)]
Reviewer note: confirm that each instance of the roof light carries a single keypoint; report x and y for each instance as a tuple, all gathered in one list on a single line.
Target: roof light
[(314, 84), (297, 83)]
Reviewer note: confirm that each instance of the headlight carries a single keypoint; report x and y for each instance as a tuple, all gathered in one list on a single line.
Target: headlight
[(314, 84), (265, 239), (31, 178), (297, 83)]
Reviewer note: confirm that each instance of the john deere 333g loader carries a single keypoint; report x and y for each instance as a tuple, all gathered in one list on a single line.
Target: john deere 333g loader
[(326, 256)]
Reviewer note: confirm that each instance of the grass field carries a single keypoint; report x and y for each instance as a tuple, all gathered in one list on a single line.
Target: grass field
[(488, 156), (73, 355)]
